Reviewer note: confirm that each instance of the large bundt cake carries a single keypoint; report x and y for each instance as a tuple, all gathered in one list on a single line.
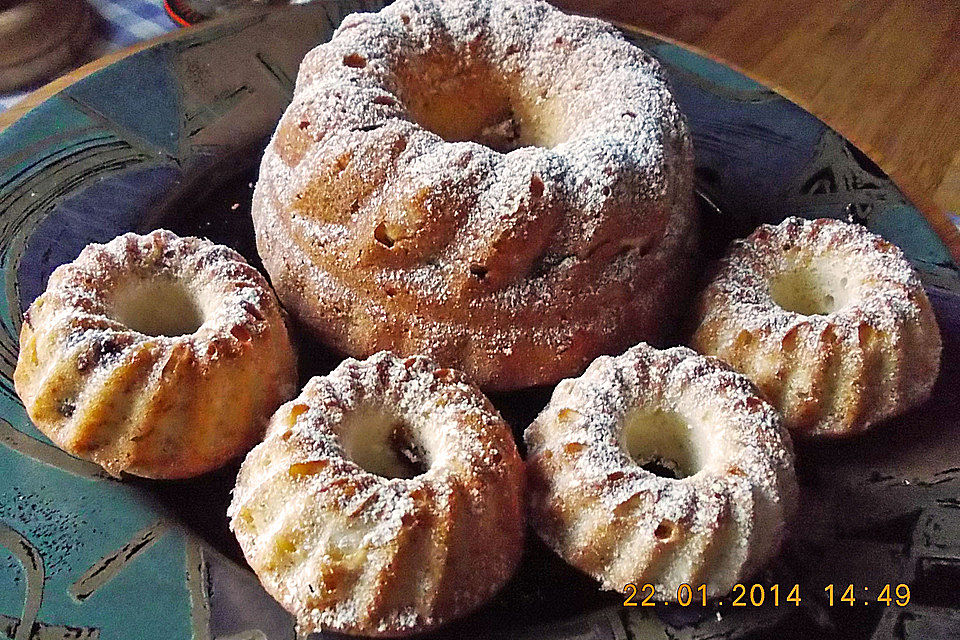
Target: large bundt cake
[(156, 355), (492, 182), (828, 320), (661, 468), (386, 499)]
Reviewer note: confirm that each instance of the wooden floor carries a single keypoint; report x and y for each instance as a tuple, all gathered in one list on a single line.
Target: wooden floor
[(884, 73)]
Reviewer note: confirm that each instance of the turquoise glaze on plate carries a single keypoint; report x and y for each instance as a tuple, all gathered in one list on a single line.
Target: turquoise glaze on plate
[(171, 136)]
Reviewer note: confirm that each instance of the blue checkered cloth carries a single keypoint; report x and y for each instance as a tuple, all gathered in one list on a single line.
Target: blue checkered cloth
[(116, 24)]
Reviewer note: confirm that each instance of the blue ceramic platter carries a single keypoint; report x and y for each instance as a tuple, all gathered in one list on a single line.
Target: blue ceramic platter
[(171, 137)]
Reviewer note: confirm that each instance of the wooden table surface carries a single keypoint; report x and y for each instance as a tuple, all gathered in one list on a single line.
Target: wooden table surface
[(884, 73)]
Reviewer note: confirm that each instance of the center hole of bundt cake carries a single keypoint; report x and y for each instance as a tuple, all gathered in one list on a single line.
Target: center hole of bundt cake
[(161, 307), (471, 103), (385, 445), (660, 442), (810, 289)]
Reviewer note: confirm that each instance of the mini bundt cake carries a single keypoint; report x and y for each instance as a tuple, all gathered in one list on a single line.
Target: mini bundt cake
[(493, 183), (385, 500), (661, 468), (827, 319), (156, 355)]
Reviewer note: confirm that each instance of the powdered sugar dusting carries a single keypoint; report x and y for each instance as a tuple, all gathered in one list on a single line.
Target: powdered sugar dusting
[(387, 539), (873, 352), (80, 352), (607, 515), (229, 292), (363, 213)]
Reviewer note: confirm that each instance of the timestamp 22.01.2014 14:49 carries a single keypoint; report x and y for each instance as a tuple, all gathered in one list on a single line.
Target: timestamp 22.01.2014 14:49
[(756, 595)]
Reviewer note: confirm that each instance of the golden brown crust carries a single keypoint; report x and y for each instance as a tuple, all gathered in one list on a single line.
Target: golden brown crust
[(349, 550), (516, 265), (155, 406), (593, 502), (870, 350)]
